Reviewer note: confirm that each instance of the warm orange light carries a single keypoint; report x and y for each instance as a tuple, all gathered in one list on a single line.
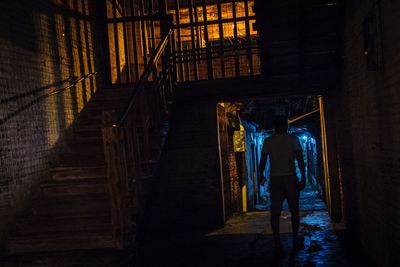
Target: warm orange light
[(212, 15)]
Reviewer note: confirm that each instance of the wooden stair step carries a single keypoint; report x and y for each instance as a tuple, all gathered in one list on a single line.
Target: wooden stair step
[(72, 173), (81, 160), (92, 119), (85, 139), (98, 111), (83, 155), (90, 203), (77, 160), (115, 91), (74, 187), (71, 225), (95, 145), (89, 128), (72, 208), (82, 140), (57, 242), (69, 215), (86, 181), (108, 101), (74, 224)]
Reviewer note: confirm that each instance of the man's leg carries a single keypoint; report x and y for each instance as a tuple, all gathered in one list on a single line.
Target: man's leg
[(277, 197), (293, 203)]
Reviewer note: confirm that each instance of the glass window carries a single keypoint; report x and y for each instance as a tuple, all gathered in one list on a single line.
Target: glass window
[(228, 30), (240, 10), (226, 11), (251, 5)]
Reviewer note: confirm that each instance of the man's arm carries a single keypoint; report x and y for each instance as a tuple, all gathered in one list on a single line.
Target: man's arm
[(300, 161), (263, 162)]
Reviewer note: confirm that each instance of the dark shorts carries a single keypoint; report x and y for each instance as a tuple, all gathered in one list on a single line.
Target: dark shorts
[(282, 187)]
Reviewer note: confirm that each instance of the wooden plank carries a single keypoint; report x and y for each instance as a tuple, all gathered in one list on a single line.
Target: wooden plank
[(152, 31), (198, 44), (135, 48), (178, 29), (83, 241), (194, 62), (248, 37), (127, 60), (131, 18), (143, 32), (208, 46), (215, 22), (111, 147), (235, 35), (116, 45), (221, 38)]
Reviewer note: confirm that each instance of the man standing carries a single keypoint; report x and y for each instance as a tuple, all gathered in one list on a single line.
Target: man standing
[(282, 149)]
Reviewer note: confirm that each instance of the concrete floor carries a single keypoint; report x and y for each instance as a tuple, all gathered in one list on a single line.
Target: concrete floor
[(309, 200), (246, 240)]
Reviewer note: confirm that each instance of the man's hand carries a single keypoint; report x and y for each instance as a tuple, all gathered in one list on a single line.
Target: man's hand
[(302, 184), (262, 180), (300, 161)]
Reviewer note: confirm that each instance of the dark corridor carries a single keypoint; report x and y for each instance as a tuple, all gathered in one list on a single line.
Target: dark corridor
[(247, 125)]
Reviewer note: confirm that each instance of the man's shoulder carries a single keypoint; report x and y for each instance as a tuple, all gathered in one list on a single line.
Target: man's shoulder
[(295, 141), (292, 136), (288, 136), (269, 139)]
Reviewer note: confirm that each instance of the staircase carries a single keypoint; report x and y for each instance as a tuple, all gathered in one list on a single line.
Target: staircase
[(95, 194), (72, 209)]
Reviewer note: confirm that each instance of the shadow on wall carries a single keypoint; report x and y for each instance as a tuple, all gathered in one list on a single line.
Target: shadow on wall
[(42, 43)]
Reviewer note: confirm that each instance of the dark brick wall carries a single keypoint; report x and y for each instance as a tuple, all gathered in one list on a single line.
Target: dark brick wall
[(41, 42), (190, 184), (251, 165), (368, 129), (235, 166)]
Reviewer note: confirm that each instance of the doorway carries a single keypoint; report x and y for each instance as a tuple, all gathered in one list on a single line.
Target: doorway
[(248, 124)]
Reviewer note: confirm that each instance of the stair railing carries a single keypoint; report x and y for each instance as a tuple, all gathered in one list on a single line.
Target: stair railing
[(133, 139)]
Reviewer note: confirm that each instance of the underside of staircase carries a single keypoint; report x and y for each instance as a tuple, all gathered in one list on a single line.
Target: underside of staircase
[(72, 209)]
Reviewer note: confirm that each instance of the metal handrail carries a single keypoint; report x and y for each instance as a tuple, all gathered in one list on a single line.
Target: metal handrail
[(143, 78), (40, 98)]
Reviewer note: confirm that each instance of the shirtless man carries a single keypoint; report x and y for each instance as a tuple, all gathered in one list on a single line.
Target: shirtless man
[(282, 149)]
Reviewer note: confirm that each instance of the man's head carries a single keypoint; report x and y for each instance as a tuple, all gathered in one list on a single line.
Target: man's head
[(280, 124)]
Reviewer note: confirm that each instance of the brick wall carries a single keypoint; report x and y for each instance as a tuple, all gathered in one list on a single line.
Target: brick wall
[(368, 119), (235, 166), (41, 43)]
